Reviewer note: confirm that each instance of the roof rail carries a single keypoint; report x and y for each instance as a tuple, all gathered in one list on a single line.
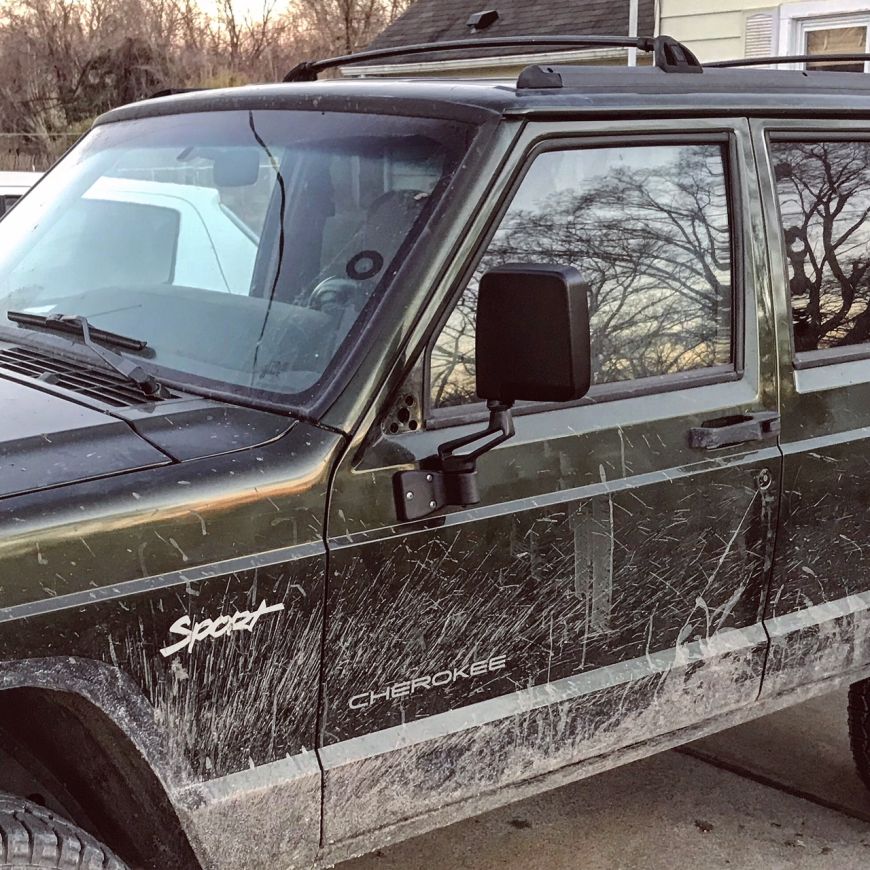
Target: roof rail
[(791, 58), (668, 54)]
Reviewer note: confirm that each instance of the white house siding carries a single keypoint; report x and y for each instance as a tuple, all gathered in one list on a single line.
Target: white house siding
[(713, 29), (724, 29)]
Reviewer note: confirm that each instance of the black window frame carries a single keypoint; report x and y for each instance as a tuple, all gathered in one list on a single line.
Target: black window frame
[(456, 415), (809, 359)]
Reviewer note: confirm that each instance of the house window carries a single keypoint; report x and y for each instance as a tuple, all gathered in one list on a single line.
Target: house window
[(809, 27), (824, 39)]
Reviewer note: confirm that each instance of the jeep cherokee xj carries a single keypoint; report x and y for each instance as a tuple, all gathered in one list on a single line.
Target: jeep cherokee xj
[(534, 446)]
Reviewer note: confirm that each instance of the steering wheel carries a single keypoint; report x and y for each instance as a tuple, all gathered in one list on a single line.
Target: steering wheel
[(388, 219), (334, 293)]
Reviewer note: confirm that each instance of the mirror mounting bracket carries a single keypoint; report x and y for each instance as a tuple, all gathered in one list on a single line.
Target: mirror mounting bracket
[(450, 478)]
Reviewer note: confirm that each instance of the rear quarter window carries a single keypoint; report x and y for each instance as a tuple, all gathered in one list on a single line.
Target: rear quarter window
[(823, 189)]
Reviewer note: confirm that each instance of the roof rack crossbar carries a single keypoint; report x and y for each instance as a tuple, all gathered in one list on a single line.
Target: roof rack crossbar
[(791, 58), (668, 54)]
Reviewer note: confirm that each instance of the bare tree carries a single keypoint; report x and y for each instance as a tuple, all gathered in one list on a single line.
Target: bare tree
[(342, 26), (654, 246), (825, 206), (62, 62)]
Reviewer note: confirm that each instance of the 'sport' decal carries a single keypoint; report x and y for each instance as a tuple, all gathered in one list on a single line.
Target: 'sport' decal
[(241, 620)]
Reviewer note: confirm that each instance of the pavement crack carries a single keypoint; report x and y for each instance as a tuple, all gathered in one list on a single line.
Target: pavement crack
[(771, 782)]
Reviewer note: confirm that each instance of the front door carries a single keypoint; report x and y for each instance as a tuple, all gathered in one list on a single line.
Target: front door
[(609, 587)]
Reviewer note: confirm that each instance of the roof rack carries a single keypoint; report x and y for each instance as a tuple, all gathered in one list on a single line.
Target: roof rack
[(791, 58), (668, 54)]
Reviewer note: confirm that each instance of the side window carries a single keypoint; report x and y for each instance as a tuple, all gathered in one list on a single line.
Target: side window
[(6, 202), (648, 227), (824, 202)]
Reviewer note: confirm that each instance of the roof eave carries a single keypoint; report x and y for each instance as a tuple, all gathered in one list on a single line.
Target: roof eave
[(474, 64)]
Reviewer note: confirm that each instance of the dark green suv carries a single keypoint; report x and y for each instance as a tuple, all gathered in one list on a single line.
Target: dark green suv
[(373, 453)]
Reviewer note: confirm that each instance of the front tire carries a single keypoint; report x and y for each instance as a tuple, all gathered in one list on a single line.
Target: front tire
[(34, 838), (859, 728)]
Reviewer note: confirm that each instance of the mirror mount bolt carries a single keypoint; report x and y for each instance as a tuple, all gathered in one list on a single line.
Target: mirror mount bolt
[(451, 478)]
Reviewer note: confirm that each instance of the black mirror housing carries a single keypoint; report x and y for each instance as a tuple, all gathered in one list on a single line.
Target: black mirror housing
[(532, 336), (532, 344)]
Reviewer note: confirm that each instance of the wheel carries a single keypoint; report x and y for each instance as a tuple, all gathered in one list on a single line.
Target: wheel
[(34, 838), (859, 728)]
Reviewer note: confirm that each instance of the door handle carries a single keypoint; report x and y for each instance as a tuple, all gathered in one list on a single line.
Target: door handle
[(734, 430)]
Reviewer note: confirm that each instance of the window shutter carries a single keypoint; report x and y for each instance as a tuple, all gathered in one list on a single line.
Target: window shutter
[(759, 35)]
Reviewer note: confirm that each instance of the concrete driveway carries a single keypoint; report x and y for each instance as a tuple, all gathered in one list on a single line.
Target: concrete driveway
[(780, 792)]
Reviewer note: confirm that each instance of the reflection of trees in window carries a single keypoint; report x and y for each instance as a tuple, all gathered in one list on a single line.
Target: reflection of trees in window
[(654, 245), (824, 195)]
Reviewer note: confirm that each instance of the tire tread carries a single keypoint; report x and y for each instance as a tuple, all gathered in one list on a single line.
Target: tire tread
[(33, 836)]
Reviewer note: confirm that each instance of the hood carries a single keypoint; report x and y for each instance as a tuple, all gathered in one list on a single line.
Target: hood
[(47, 440), (50, 436)]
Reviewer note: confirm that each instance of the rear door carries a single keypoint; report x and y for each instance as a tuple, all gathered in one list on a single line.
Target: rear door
[(816, 186), (609, 587)]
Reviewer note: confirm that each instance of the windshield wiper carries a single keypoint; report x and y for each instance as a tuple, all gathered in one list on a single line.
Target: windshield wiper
[(72, 324), (78, 325)]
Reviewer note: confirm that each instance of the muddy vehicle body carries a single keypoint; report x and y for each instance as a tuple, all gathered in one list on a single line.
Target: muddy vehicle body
[(258, 607)]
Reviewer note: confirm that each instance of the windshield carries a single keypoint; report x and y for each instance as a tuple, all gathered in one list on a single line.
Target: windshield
[(242, 246)]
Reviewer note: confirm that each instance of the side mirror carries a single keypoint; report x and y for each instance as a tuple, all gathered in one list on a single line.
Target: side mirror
[(532, 338), (532, 344)]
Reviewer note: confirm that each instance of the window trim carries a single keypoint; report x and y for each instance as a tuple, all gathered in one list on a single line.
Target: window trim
[(810, 359), (599, 394), (455, 415)]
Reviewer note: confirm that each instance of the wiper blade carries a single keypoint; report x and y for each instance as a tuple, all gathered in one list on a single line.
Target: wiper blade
[(72, 324), (77, 325)]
